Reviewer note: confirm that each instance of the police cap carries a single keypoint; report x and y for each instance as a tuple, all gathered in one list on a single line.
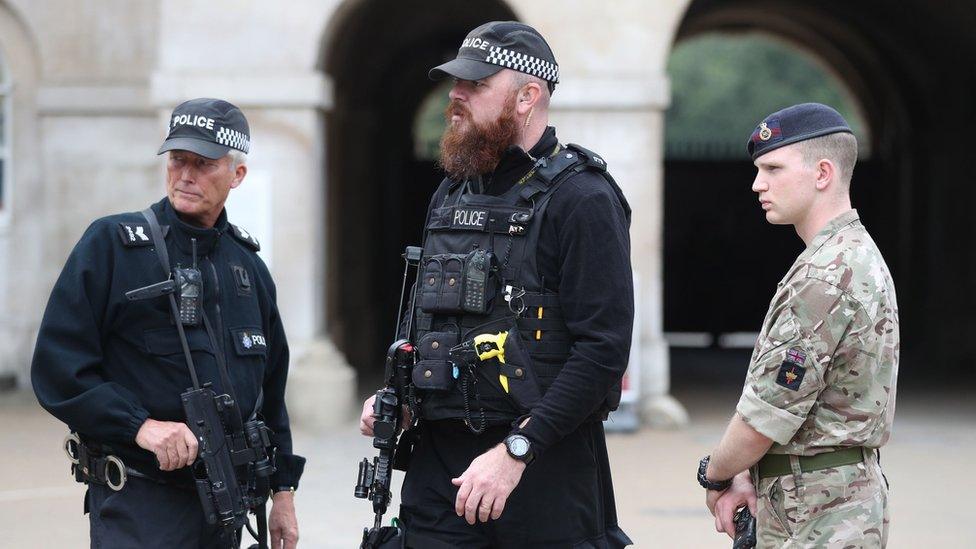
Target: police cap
[(501, 45), (208, 127), (794, 124)]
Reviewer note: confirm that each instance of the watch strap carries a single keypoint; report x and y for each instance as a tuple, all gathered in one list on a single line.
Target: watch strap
[(719, 485)]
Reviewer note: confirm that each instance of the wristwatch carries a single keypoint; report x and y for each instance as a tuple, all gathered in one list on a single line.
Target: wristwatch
[(719, 486), (519, 448)]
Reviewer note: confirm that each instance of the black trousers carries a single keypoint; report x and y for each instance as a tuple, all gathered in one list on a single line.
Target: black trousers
[(147, 514), (564, 499)]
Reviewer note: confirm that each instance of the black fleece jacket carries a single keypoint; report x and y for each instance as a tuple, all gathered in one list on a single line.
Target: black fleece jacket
[(584, 255), (103, 364)]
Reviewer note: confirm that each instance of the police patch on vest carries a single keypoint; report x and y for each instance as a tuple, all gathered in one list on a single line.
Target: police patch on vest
[(791, 371), (249, 341), (474, 219), (137, 234)]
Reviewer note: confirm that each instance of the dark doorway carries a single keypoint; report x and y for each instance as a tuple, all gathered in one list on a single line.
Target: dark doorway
[(719, 248), (378, 55), (910, 66)]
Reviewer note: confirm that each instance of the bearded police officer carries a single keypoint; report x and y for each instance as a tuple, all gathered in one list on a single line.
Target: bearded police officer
[(114, 369), (819, 395), (522, 317)]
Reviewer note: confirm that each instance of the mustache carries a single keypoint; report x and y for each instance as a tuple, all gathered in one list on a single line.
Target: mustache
[(456, 107)]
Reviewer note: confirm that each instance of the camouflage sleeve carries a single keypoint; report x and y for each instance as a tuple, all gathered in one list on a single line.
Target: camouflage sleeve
[(787, 371)]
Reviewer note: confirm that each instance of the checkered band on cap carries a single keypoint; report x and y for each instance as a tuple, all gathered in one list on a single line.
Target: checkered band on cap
[(233, 139), (523, 63)]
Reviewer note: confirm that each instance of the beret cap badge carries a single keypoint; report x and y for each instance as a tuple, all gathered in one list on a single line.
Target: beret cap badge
[(794, 124)]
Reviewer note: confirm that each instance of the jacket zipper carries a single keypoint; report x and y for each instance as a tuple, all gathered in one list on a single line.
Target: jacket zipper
[(219, 319)]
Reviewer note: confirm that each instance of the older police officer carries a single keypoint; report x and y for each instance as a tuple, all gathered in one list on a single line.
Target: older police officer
[(819, 395), (114, 370), (526, 249)]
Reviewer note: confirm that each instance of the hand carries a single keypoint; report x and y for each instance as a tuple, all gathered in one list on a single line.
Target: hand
[(282, 523), (485, 486), (742, 492), (711, 497), (367, 419), (173, 443)]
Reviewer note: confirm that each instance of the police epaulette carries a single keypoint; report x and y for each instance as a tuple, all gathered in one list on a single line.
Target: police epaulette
[(137, 234), (245, 237), (591, 158), (555, 165), (571, 160)]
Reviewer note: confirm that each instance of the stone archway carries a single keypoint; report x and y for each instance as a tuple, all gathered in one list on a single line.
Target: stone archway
[(911, 69), (378, 56)]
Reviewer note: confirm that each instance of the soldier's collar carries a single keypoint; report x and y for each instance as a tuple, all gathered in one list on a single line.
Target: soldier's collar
[(832, 228)]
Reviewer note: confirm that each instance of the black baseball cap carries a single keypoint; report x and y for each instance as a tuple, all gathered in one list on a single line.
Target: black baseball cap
[(208, 127), (501, 45), (795, 124)]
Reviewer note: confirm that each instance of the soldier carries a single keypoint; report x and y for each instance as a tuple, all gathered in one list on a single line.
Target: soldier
[(819, 395)]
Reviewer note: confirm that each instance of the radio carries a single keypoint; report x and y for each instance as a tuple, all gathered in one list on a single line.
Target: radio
[(189, 290), (474, 292), (189, 283)]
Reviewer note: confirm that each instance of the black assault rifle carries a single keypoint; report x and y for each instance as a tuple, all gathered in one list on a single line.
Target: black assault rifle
[(374, 479), (227, 445), (227, 497)]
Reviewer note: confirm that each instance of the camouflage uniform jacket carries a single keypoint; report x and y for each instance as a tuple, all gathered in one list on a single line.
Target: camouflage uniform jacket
[(823, 372)]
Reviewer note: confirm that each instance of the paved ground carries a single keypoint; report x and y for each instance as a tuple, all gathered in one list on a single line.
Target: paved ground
[(928, 463)]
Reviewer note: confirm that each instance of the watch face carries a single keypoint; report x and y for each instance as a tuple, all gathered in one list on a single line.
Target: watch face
[(519, 446)]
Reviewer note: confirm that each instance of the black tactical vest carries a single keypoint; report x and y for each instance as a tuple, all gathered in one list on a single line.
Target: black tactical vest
[(479, 276)]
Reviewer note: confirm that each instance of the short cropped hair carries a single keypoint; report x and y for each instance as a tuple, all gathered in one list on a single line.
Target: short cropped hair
[(237, 158), (521, 79), (841, 148)]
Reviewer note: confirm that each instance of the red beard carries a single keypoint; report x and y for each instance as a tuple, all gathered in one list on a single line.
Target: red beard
[(469, 149)]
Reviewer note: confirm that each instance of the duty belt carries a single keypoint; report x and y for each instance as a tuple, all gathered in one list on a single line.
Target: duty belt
[(776, 465), (89, 465)]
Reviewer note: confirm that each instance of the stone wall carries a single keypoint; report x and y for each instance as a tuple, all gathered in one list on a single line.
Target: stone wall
[(97, 79)]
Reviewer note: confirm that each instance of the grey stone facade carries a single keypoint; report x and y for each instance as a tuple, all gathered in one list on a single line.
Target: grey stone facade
[(92, 83)]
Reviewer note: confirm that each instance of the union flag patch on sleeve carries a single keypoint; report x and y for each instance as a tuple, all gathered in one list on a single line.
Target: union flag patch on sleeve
[(791, 371), (796, 356)]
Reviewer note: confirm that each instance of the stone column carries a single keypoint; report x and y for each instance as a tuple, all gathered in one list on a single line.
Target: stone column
[(22, 227), (263, 58), (611, 99)]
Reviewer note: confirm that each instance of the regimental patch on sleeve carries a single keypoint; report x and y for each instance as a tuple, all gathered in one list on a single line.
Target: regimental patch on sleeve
[(245, 237), (791, 371), (137, 234)]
